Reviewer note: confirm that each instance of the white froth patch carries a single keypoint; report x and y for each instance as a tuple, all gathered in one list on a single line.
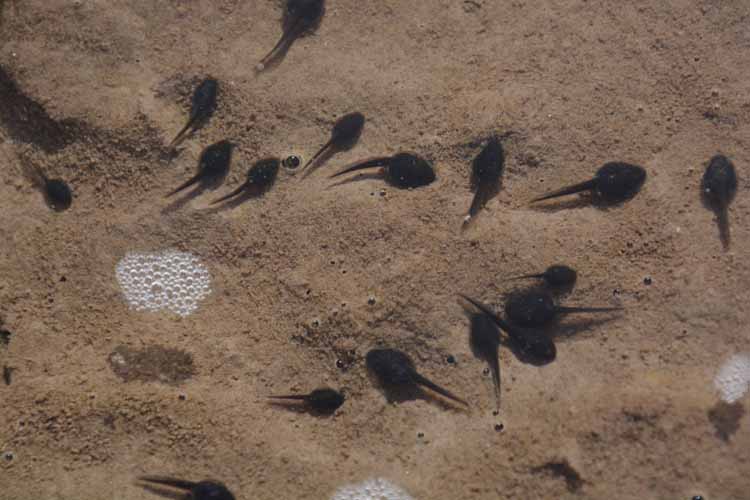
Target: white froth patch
[(733, 379), (171, 280), (372, 489)]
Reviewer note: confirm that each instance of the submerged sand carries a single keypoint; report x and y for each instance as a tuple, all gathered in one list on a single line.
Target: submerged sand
[(92, 91)]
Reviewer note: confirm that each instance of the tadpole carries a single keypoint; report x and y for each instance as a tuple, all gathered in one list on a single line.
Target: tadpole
[(203, 107), (300, 16), (487, 169), (403, 170), (556, 276), (202, 490), (613, 183), (537, 308), (345, 134), (395, 369), (323, 400), (213, 166), (719, 188), (260, 177)]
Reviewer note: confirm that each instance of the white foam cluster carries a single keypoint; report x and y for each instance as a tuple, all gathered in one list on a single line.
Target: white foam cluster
[(176, 281), (733, 379), (371, 489)]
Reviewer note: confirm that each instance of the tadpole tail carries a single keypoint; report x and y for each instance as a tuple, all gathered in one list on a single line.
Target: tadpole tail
[(317, 155), (494, 362), (479, 200), (294, 397), (168, 481), (230, 195), (285, 41), (722, 216), (436, 388), (565, 310), (373, 162), (489, 312), (575, 188), (186, 185), (181, 134)]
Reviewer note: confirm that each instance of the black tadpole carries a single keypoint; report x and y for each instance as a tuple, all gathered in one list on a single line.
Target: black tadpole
[(321, 400), (345, 134), (486, 171), (554, 276), (56, 192), (614, 182), (213, 166), (395, 369), (299, 16), (537, 308), (719, 188), (403, 170), (203, 490), (260, 177), (484, 338), (531, 345), (203, 106)]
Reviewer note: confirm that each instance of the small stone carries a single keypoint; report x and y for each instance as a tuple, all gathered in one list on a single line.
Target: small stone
[(182, 396), (371, 300), (499, 427), (450, 359), (647, 281), (420, 435)]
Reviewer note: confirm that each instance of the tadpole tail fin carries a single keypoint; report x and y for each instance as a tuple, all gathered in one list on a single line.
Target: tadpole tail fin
[(373, 162), (565, 310), (294, 397), (190, 182), (181, 134), (419, 379), (575, 188), (230, 195), (486, 310), (722, 217), (317, 155), (480, 199), (285, 41), (495, 369), (168, 481)]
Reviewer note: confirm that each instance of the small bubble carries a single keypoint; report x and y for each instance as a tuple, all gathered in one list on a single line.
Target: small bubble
[(450, 359), (340, 364), (9, 456)]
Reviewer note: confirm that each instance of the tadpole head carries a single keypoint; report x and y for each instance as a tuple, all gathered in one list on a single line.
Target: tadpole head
[(560, 275), (530, 308), (204, 98), (719, 184), (537, 349), (308, 12), (347, 130), (406, 170), (390, 367), (617, 181), (209, 490), (488, 165), (58, 194), (263, 174), (325, 400)]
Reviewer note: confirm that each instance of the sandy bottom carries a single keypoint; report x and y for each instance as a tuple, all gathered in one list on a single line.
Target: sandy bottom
[(92, 91)]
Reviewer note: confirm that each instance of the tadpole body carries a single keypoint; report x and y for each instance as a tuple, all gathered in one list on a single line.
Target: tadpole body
[(484, 337), (614, 182), (320, 400), (203, 106), (260, 177), (213, 166), (57, 193), (300, 16), (202, 490), (538, 308), (555, 276), (345, 134), (719, 187), (531, 345), (395, 369), (487, 168), (403, 170)]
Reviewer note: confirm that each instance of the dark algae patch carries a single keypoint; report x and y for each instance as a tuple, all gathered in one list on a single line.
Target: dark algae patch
[(152, 364)]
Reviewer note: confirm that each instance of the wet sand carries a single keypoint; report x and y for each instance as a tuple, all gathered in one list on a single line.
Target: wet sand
[(93, 91)]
